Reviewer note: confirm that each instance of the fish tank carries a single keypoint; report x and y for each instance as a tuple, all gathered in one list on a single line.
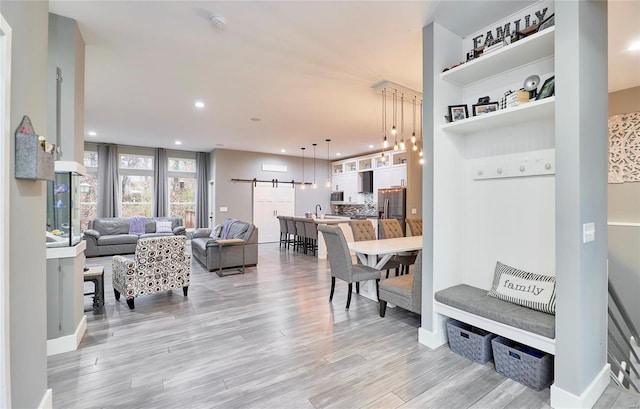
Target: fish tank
[(63, 210)]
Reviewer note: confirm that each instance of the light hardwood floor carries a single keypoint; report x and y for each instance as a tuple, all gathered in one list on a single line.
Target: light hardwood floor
[(271, 339)]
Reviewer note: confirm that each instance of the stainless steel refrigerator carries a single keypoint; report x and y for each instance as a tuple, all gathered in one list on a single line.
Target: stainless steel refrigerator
[(392, 204)]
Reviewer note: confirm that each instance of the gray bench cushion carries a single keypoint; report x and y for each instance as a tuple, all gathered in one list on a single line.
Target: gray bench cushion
[(476, 301)]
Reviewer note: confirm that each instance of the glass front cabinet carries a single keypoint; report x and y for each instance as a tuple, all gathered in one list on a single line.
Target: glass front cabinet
[(63, 210)]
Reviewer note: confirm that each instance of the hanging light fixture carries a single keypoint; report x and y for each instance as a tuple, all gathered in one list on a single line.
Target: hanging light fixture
[(328, 183), (384, 119), (421, 154), (394, 131), (402, 144), (413, 135), (303, 185), (315, 186)]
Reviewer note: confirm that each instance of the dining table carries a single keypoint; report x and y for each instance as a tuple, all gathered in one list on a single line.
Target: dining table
[(376, 253)]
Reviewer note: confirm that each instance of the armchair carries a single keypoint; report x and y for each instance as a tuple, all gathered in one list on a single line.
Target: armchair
[(160, 264)]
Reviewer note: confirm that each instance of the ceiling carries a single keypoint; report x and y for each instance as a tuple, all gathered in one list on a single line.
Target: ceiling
[(306, 69)]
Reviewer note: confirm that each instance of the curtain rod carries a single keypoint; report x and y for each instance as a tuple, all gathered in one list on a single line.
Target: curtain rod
[(274, 182)]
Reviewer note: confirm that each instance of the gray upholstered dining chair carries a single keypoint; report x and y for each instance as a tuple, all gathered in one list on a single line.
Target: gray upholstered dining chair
[(404, 291), (390, 229), (341, 265), (284, 235), (363, 230)]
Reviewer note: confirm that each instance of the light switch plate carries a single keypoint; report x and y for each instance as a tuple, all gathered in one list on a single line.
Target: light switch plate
[(414, 211), (224, 209), (588, 232)]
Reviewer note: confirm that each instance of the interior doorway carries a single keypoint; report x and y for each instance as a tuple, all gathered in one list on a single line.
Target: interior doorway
[(268, 203)]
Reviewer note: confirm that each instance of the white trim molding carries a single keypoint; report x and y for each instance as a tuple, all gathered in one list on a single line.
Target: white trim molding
[(47, 400), (563, 399), (69, 342), (5, 155)]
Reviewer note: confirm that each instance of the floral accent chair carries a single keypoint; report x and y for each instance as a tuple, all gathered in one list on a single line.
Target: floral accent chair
[(160, 264)]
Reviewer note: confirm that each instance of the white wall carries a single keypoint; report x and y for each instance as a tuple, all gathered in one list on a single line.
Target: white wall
[(28, 354)]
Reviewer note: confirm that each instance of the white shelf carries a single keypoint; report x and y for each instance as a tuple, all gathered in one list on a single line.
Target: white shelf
[(544, 108), (527, 50), (67, 166)]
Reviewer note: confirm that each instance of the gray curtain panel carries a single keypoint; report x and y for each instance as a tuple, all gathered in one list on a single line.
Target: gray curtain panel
[(202, 174), (108, 181), (160, 184)]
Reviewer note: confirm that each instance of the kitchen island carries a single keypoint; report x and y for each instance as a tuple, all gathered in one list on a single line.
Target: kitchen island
[(341, 221)]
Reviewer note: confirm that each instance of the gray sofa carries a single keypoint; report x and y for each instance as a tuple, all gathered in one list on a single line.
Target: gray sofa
[(207, 251), (110, 235)]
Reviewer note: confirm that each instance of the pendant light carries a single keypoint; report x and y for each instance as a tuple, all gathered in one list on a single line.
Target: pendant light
[(421, 154), (394, 131), (384, 119), (413, 135), (402, 144), (328, 183), (303, 185), (314, 186)]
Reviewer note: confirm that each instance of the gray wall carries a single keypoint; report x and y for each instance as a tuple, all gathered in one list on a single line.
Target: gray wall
[(27, 279), (66, 51), (624, 206), (238, 196), (581, 189)]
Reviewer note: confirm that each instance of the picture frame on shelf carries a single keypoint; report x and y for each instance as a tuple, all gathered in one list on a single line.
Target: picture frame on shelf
[(481, 109), (458, 112), (548, 88)]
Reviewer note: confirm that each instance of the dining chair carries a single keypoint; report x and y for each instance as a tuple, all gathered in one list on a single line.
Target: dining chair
[(415, 225), (363, 230), (390, 229), (342, 266), (404, 291)]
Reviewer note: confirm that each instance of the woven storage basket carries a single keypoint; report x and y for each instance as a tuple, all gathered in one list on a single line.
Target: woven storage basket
[(470, 342), (521, 363)]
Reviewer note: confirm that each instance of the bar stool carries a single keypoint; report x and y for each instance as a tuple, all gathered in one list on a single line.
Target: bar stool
[(96, 276), (283, 231), (311, 235), (301, 239), (291, 232)]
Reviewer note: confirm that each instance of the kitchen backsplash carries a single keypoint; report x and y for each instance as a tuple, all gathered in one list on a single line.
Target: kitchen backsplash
[(369, 208)]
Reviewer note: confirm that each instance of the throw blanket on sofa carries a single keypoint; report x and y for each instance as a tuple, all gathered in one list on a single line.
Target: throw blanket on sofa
[(226, 228), (136, 225)]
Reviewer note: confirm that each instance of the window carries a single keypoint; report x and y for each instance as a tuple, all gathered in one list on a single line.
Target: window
[(182, 189), (136, 183), (89, 189)]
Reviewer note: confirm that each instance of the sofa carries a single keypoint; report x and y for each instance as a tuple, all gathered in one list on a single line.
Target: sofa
[(110, 235), (207, 251)]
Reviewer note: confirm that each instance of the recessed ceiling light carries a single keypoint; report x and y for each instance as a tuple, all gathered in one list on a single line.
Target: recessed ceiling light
[(92, 133), (256, 119), (178, 143), (635, 46), (283, 150), (371, 146), (199, 104), (338, 154)]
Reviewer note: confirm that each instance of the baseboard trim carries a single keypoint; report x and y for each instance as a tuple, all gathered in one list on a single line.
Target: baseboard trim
[(430, 339), (563, 399), (69, 342), (47, 400)]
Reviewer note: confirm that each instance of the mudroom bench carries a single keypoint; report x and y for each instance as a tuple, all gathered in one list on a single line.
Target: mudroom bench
[(473, 306)]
